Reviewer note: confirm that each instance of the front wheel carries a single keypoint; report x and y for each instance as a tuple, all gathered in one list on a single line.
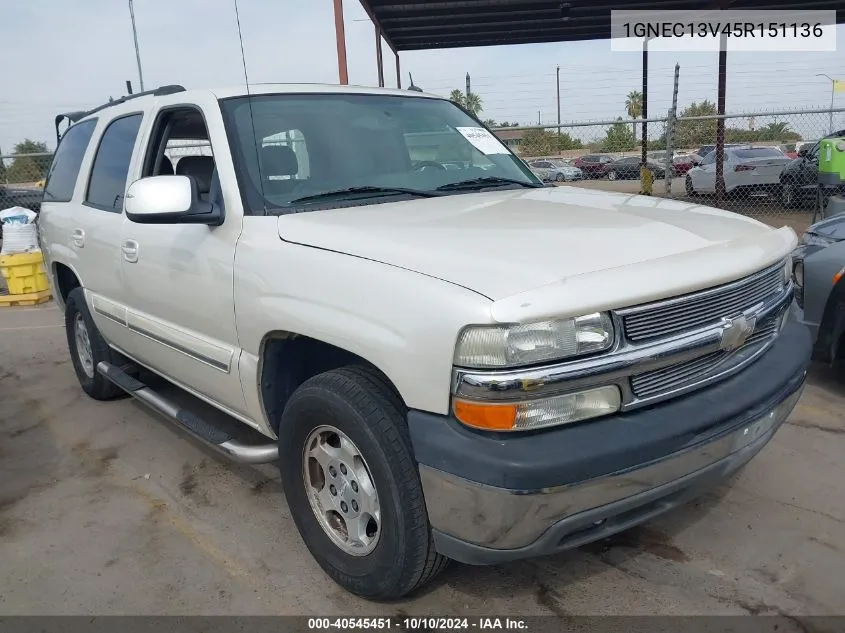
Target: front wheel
[(611, 175), (352, 484), (788, 195), (560, 178)]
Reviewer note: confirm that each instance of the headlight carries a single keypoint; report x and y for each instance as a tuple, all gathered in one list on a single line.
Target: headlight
[(798, 273), (814, 239), (498, 346), (541, 413)]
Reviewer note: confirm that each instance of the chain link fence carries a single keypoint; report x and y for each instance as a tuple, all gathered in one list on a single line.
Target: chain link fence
[(769, 167), (22, 180)]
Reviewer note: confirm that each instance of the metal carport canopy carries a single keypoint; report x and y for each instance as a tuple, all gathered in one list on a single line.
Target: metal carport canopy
[(409, 25)]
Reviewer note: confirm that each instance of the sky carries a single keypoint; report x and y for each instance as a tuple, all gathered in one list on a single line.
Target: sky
[(62, 56)]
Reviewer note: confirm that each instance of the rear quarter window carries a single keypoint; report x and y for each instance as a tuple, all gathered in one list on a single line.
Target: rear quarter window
[(64, 170)]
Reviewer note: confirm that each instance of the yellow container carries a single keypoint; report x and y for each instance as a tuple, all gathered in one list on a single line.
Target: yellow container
[(24, 272)]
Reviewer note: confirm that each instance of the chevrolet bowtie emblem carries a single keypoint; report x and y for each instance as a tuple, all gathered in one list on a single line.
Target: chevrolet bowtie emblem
[(736, 331)]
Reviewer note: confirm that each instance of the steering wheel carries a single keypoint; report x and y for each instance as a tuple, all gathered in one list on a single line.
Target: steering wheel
[(427, 163)]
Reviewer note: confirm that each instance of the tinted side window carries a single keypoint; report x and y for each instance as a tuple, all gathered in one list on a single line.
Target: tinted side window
[(111, 165), (61, 179)]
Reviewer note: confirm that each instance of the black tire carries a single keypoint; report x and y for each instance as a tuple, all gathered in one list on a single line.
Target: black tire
[(95, 386), (689, 188), (789, 197), (359, 402)]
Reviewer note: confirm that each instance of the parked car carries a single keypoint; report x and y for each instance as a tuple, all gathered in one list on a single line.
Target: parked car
[(818, 266), (699, 156), (442, 363), (554, 170), (746, 168), (799, 179), (594, 165), (682, 164), (629, 167)]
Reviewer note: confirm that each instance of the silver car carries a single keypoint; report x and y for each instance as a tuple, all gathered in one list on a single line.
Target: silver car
[(555, 170), (818, 272)]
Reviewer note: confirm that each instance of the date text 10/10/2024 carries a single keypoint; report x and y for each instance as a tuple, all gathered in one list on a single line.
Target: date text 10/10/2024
[(422, 623)]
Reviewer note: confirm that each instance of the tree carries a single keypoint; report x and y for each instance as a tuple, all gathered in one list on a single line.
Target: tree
[(27, 168), (546, 142), (490, 123), (471, 102), (619, 138), (695, 133), (634, 108)]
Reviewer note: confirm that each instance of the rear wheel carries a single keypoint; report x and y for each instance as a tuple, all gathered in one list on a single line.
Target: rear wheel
[(352, 484), (611, 175), (688, 186), (88, 348)]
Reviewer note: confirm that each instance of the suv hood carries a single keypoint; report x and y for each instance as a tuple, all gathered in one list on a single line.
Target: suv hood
[(507, 242)]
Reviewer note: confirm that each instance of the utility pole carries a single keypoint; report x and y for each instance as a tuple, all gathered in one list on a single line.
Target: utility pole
[(468, 93), (538, 117), (137, 51), (670, 131), (558, 100), (832, 90)]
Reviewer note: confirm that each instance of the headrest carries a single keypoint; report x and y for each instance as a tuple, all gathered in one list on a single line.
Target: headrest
[(278, 160), (200, 167), (166, 168)]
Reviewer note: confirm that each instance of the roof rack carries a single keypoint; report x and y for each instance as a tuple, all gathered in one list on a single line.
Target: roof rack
[(73, 117)]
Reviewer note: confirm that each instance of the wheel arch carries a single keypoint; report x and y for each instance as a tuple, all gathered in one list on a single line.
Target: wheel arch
[(287, 359), (64, 278), (829, 343)]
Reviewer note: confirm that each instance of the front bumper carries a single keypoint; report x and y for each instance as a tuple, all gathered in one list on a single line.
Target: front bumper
[(497, 497)]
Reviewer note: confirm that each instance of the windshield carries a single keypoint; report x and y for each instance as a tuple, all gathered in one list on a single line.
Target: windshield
[(290, 149)]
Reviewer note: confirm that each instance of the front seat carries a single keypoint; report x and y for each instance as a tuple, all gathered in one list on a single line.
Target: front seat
[(201, 168), (278, 160)]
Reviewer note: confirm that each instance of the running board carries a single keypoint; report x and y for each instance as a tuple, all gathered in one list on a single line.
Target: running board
[(212, 436)]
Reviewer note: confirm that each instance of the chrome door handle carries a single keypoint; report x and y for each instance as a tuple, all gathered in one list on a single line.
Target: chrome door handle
[(130, 251), (77, 238)]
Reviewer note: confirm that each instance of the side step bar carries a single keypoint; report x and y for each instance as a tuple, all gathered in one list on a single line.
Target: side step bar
[(212, 436)]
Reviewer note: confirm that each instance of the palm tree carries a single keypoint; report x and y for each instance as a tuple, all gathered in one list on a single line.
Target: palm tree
[(775, 131), (634, 107), (490, 123), (471, 102), (456, 96)]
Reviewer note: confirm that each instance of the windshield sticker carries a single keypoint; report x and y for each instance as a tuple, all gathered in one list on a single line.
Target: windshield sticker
[(482, 140)]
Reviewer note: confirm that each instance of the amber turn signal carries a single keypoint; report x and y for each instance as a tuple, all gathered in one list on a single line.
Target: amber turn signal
[(482, 415)]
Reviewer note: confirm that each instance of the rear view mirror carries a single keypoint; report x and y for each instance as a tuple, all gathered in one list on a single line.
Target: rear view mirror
[(169, 200)]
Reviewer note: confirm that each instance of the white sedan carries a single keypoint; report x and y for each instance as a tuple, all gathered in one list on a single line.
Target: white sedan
[(755, 169)]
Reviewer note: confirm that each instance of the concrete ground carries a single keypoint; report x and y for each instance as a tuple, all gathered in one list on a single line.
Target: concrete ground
[(106, 509)]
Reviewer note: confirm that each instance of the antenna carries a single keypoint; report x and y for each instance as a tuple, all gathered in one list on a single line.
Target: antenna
[(412, 86), (249, 102)]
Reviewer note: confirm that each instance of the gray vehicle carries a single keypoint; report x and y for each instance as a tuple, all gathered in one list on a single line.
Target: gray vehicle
[(818, 271), (555, 170)]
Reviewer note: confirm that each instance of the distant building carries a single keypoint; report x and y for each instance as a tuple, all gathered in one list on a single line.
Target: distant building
[(511, 138)]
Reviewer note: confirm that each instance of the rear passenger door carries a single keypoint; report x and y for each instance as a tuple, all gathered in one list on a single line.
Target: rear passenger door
[(178, 279)]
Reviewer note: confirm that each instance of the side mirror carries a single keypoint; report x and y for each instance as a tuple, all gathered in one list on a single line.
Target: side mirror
[(169, 200)]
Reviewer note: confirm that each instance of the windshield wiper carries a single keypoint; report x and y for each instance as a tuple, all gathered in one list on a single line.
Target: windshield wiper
[(486, 181), (375, 191)]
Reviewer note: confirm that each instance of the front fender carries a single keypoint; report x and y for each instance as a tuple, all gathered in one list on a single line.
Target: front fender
[(404, 323)]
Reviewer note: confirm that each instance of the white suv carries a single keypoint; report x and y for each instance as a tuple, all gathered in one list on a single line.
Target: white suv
[(446, 362)]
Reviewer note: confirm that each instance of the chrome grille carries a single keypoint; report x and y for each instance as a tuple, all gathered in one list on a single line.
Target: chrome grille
[(668, 379), (688, 312)]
